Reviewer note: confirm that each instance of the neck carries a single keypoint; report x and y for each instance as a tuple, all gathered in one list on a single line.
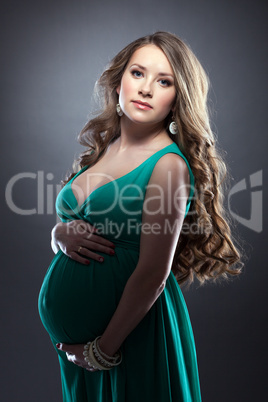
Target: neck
[(139, 135)]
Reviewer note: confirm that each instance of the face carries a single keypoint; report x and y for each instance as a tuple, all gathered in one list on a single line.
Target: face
[(147, 90)]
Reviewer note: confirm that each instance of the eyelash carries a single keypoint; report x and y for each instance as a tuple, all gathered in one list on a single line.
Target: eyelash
[(168, 83)]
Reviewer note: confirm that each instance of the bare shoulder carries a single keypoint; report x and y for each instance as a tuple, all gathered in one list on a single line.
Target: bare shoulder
[(174, 164)]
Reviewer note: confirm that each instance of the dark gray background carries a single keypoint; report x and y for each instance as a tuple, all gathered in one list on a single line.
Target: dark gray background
[(52, 53)]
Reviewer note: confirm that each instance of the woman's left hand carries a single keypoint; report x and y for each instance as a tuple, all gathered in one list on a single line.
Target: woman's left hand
[(74, 354)]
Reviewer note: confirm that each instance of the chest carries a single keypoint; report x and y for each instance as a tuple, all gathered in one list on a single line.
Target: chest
[(104, 171)]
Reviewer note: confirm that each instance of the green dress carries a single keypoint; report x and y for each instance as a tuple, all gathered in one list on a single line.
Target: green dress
[(76, 302)]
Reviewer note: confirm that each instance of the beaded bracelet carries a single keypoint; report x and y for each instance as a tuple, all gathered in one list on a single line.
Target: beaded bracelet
[(98, 363), (114, 361), (96, 359), (103, 355), (86, 355)]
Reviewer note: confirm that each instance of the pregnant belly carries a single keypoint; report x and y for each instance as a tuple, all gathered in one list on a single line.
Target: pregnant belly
[(76, 302)]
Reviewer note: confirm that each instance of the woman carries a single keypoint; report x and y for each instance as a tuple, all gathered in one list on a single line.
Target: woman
[(138, 219)]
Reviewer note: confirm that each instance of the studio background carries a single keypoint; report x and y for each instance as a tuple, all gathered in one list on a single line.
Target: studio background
[(52, 54)]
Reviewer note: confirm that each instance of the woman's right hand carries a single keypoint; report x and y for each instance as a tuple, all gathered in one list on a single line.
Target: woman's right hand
[(77, 240)]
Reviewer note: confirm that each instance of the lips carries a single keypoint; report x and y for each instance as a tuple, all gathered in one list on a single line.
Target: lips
[(144, 105)]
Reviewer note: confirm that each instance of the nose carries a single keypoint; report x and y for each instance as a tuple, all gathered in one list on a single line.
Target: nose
[(146, 89)]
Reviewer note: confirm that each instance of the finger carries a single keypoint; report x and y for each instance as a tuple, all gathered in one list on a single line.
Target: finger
[(91, 228), (98, 243), (92, 256), (91, 369), (78, 227), (99, 240), (85, 228), (77, 257), (90, 249), (70, 356), (64, 347)]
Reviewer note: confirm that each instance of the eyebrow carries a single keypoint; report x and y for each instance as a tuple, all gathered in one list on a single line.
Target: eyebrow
[(144, 68)]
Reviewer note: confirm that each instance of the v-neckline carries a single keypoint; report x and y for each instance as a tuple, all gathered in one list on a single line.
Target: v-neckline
[(112, 181)]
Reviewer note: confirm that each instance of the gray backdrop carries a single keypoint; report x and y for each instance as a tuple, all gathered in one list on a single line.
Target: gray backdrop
[(52, 53)]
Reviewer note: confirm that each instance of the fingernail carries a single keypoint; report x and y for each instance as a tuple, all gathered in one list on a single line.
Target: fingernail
[(58, 345), (87, 262), (113, 245), (101, 259), (112, 252)]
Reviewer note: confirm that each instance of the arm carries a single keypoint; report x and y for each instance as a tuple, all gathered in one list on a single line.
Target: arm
[(157, 248)]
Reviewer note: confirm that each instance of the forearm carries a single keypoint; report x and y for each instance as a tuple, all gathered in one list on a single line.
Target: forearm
[(138, 297)]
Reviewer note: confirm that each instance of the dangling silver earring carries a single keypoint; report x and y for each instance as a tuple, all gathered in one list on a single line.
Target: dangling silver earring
[(173, 127), (119, 110)]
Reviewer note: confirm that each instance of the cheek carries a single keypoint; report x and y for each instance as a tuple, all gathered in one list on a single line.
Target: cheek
[(167, 101), (126, 89)]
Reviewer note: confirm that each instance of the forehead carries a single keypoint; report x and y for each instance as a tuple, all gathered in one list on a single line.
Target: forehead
[(151, 56)]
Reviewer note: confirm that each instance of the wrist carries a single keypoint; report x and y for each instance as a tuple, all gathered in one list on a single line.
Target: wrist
[(56, 229), (55, 237), (107, 348), (96, 359), (57, 232)]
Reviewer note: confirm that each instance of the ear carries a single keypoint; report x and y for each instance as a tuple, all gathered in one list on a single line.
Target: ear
[(118, 89)]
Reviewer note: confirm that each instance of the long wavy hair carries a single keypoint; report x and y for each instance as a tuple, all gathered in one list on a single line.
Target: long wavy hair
[(209, 252)]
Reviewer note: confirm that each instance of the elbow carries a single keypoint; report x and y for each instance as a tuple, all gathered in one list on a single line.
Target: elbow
[(158, 289), (156, 285), (150, 279), (158, 280), (162, 286)]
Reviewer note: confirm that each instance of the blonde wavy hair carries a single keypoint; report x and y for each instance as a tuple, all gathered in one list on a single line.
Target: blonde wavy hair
[(208, 252)]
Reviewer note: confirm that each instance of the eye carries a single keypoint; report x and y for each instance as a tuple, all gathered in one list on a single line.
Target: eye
[(136, 73), (165, 83)]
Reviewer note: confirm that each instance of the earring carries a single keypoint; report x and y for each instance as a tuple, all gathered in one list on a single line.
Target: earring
[(119, 110), (173, 127)]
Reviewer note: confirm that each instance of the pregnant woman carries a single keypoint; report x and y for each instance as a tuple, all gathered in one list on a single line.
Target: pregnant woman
[(142, 215)]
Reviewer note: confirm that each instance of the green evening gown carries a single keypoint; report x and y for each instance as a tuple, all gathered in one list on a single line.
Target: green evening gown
[(76, 302)]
